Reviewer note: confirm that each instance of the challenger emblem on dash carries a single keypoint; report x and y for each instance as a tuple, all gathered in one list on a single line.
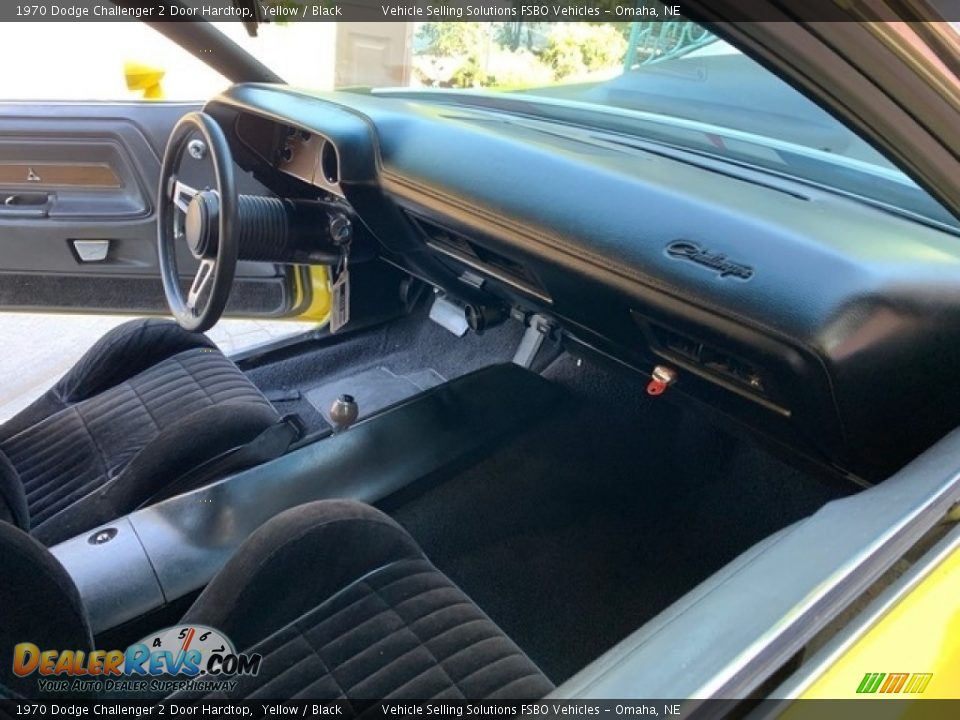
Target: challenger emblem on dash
[(182, 657), (718, 262)]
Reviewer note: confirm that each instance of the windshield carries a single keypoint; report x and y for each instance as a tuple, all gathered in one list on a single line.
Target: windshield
[(670, 82)]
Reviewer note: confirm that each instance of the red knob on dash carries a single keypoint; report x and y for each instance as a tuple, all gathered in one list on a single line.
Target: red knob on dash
[(661, 378), (656, 387)]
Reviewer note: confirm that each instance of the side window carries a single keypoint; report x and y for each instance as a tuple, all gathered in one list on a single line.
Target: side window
[(100, 62)]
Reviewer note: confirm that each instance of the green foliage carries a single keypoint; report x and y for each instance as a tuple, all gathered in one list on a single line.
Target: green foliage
[(518, 69), (515, 55), (576, 48), (564, 55), (470, 75), (449, 39), (518, 34)]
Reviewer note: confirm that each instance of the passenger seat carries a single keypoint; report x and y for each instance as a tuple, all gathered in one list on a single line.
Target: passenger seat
[(337, 598)]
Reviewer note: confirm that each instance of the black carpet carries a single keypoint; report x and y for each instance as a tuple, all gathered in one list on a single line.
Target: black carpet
[(579, 531), (407, 346)]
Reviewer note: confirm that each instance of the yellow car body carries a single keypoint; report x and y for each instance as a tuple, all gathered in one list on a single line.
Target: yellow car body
[(909, 649)]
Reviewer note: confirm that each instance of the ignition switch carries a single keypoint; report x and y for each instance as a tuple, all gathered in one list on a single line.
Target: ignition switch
[(661, 378)]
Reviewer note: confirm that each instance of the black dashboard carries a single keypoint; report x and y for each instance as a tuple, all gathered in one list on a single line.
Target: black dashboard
[(824, 323)]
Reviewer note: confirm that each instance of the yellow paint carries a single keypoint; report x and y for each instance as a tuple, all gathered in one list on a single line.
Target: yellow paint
[(144, 77), (953, 514), (920, 634), (320, 297)]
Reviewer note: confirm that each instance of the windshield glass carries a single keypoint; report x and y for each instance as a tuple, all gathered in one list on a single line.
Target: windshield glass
[(668, 81)]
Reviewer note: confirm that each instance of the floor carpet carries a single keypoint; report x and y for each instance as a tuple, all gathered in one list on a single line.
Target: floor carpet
[(408, 346), (576, 533)]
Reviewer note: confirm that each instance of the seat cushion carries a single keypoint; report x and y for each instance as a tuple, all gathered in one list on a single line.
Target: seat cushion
[(342, 604), (92, 441)]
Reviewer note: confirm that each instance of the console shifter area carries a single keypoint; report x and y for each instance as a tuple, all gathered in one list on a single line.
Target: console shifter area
[(344, 412)]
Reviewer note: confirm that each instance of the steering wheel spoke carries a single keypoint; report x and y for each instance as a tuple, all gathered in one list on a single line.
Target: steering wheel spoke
[(181, 195), (200, 282)]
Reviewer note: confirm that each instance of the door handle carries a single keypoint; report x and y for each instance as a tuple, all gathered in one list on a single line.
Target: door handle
[(25, 205)]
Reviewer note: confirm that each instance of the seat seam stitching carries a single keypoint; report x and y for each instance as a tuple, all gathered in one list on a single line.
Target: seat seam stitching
[(419, 639), (353, 603), (512, 653), (146, 407), (532, 673), (458, 627), (193, 379), (426, 571), (93, 438), (44, 490), (326, 665), (313, 528), (30, 473), (408, 680), (382, 667), (443, 606), (284, 670), (349, 630)]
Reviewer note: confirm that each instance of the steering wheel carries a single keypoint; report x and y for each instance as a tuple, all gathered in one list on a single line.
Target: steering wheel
[(206, 220)]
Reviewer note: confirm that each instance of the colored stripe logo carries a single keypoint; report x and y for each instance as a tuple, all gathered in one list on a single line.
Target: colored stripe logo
[(891, 683)]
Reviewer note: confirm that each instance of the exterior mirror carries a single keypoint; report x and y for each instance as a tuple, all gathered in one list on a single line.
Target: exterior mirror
[(146, 78)]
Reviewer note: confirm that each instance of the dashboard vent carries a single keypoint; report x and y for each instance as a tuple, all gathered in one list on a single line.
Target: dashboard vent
[(478, 257), (708, 359)]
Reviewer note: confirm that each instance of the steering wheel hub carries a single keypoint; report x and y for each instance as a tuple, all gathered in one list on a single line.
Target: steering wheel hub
[(201, 224)]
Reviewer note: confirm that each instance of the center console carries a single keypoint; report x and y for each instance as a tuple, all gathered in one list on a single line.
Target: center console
[(160, 553)]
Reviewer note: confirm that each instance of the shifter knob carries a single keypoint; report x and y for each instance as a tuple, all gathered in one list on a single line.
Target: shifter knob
[(344, 412)]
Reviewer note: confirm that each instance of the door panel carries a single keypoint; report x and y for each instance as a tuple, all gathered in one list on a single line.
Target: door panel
[(78, 213)]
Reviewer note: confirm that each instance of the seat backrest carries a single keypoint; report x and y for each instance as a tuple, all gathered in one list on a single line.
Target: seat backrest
[(39, 604), (13, 497)]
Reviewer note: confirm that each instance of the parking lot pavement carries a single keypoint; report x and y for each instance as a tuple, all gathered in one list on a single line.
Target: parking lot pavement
[(39, 348)]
